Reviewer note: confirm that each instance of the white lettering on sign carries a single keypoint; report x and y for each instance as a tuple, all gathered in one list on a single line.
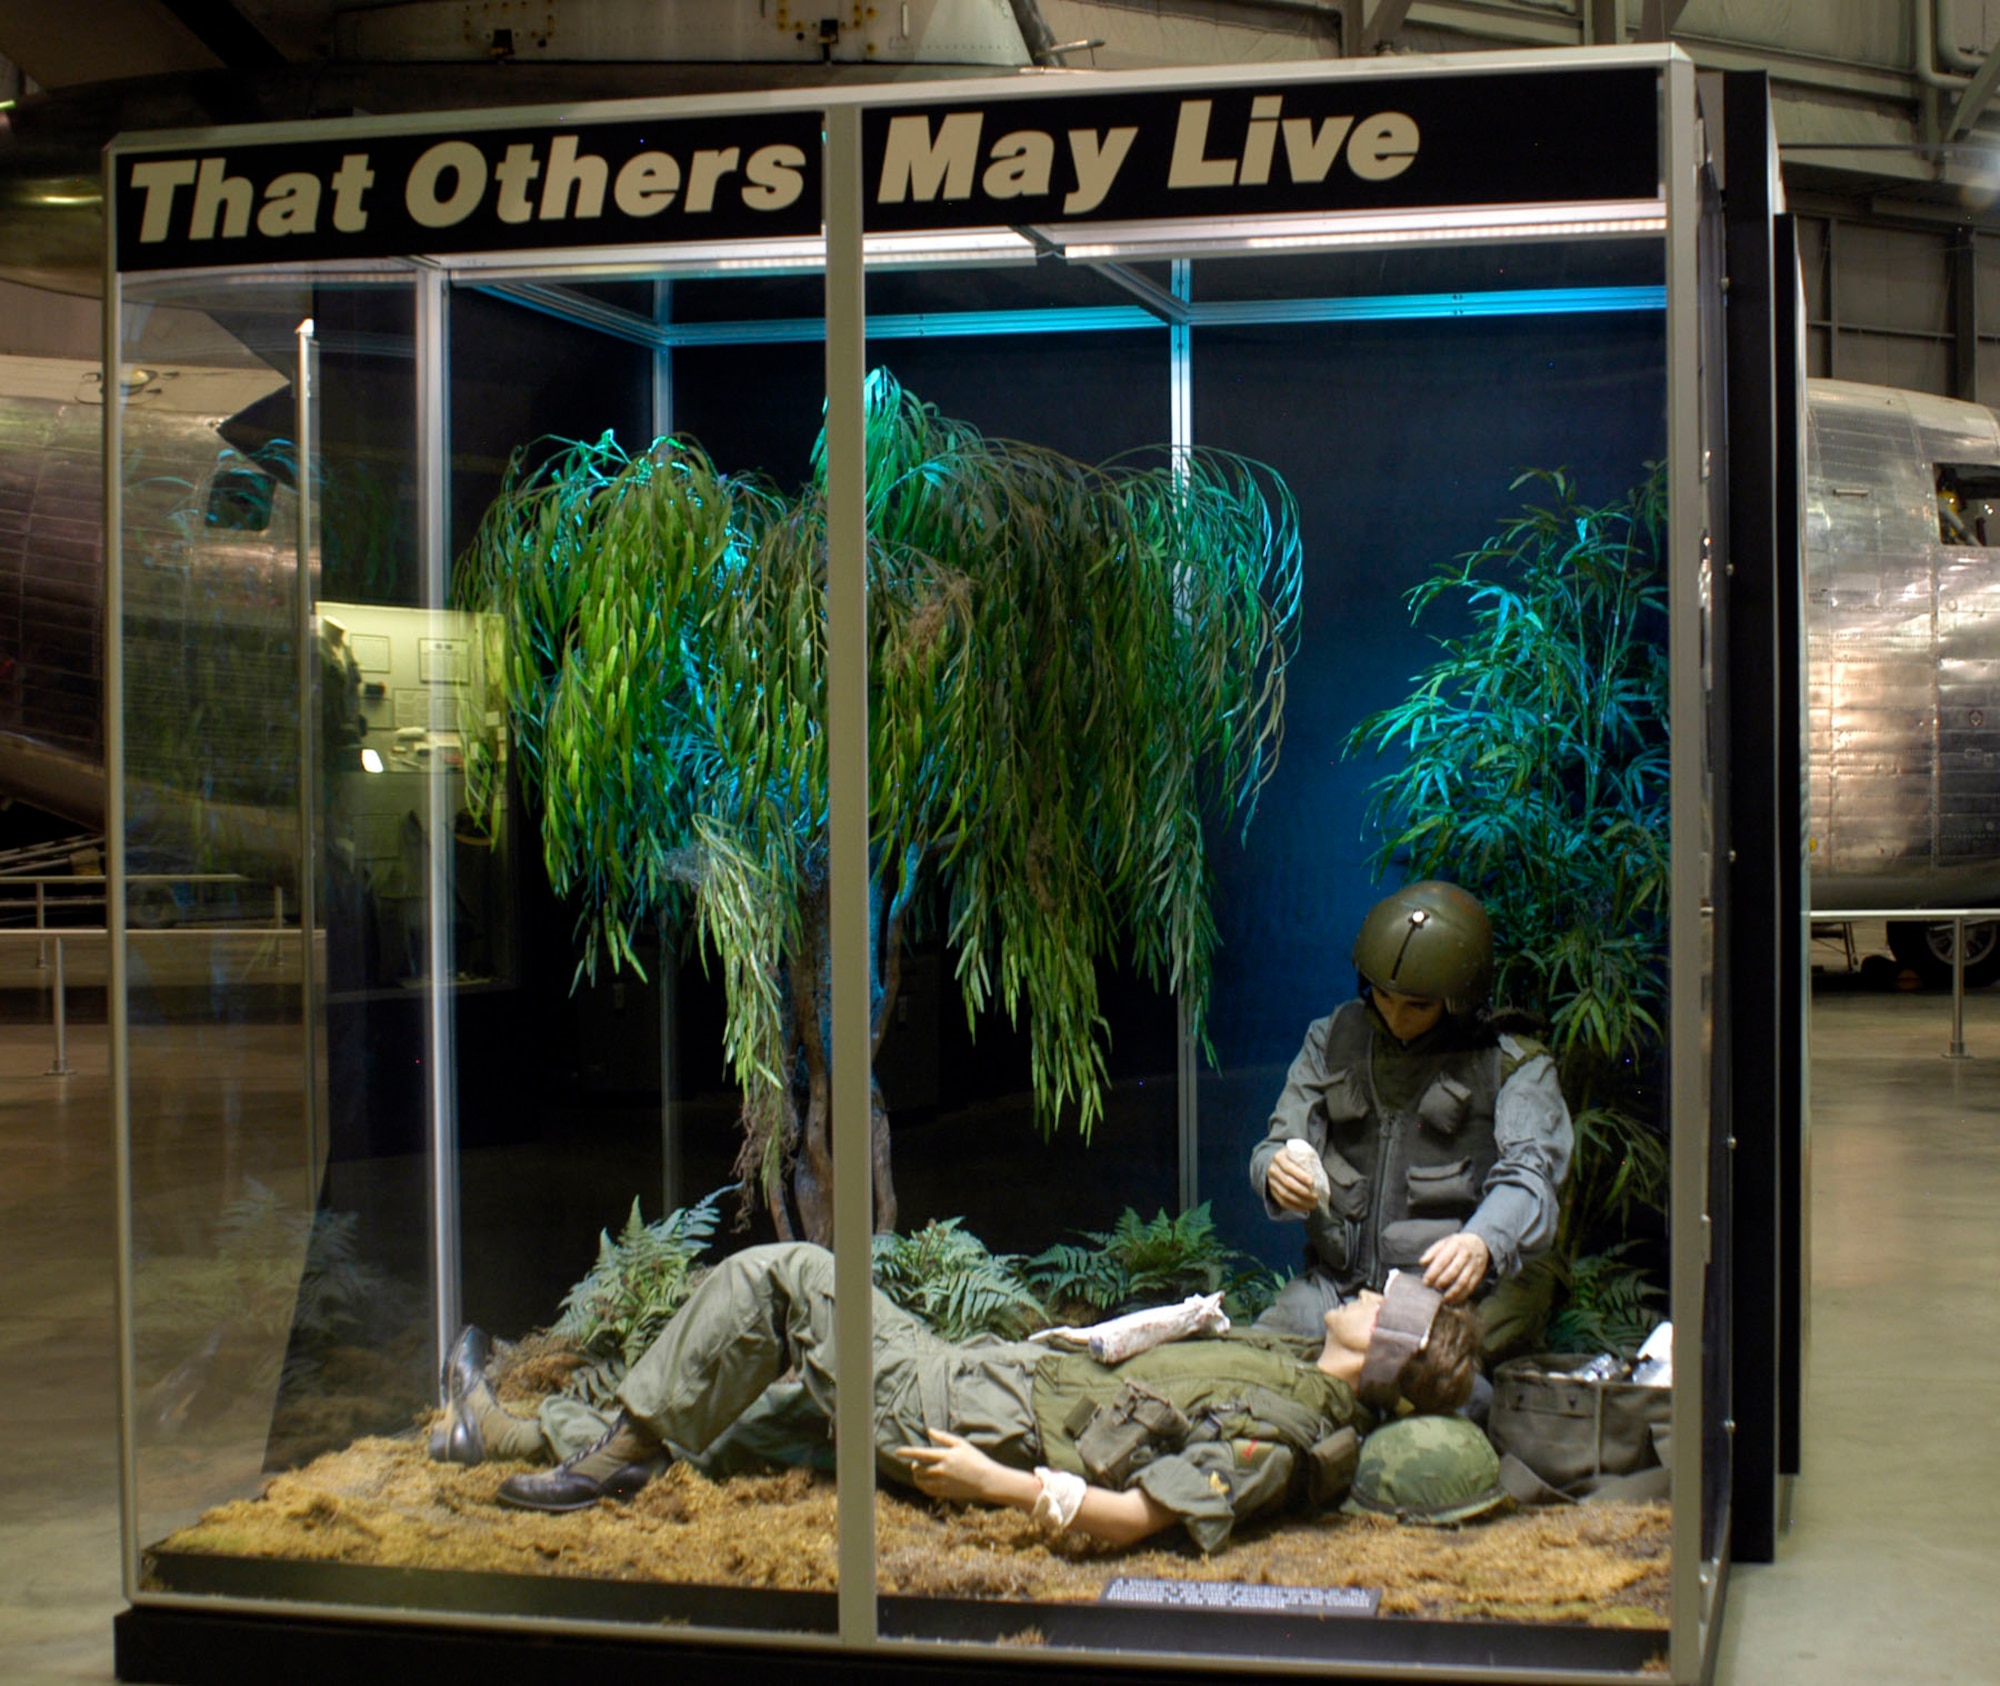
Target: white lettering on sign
[(514, 175), (552, 181), (932, 159), (705, 173), (291, 205), (1021, 165), (221, 203), (1097, 165), (1191, 166), (218, 192), (1382, 147), (158, 177), (777, 177), (1263, 136), (1310, 152), (647, 184), (1378, 148), (350, 181), (466, 166), (915, 166), (568, 170)]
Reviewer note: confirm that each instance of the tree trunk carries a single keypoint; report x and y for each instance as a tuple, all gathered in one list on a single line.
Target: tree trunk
[(812, 1170), (878, 1144), (808, 1189)]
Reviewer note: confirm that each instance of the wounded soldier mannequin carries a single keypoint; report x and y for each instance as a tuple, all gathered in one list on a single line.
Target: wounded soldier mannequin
[(1249, 1419)]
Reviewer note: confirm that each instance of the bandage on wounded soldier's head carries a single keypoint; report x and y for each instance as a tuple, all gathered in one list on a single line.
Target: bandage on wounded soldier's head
[(1402, 1328)]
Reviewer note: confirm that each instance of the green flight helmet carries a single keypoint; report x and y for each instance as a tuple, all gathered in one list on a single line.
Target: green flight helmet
[(1435, 1470), (1431, 940)]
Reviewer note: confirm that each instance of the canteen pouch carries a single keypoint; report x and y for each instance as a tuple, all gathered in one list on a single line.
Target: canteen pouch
[(1137, 1426)]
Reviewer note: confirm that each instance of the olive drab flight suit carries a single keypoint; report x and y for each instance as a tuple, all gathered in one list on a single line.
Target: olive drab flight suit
[(1451, 1132), (1262, 1404)]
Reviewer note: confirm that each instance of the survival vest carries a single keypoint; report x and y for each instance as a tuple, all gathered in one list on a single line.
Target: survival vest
[(1402, 1177)]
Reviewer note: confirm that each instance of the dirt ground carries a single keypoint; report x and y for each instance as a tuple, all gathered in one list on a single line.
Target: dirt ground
[(383, 1502)]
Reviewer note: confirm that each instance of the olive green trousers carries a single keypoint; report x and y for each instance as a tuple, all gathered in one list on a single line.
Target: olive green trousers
[(706, 1386)]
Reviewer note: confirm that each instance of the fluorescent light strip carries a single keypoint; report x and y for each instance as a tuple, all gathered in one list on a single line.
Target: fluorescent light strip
[(1405, 307), (1545, 301), (801, 256), (1097, 319), (1360, 228), (1190, 238)]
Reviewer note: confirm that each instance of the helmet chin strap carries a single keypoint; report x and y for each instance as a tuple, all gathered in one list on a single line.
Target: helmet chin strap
[(1402, 1328)]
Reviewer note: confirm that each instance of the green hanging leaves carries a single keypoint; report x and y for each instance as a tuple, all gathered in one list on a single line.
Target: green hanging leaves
[(1068, 665)]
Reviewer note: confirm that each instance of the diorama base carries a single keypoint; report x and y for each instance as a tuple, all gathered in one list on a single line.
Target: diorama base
[(179, 1646)]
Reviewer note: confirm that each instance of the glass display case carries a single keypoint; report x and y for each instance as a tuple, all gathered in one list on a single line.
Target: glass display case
[(706, 639)]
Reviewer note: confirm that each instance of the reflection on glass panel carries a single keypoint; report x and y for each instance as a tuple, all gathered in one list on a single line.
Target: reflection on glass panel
[(269, 1322), (1128, 835)]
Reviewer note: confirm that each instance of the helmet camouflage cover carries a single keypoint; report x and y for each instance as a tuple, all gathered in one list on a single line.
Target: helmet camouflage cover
[(1431, 940), (1438, 1470)]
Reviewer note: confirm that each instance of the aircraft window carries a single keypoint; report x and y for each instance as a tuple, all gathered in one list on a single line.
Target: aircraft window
[(239, 501), (1968, 505)]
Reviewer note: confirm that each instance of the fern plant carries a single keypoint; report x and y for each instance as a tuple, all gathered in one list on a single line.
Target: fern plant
[(1533, 771), (639, 1281), (1612, 1306), (1141, 1262), (946, 1276)]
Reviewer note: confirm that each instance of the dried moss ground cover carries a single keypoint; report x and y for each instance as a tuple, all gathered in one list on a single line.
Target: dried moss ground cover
[(382, 1502)]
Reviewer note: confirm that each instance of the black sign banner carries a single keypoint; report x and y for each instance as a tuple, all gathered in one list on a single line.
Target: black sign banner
[(1082, 157), (479, 190), (1346, 144)]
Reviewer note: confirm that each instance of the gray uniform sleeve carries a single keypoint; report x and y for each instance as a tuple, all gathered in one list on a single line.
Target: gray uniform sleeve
[(1304, 1084), (1517, 1213)]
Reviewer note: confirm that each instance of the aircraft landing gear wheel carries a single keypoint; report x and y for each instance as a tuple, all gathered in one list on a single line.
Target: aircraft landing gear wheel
[(1926, 950)]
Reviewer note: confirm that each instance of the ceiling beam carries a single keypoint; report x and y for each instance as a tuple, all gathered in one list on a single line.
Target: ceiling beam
[(124, 38), (226, 33), (1977, 96), (1656, 22)]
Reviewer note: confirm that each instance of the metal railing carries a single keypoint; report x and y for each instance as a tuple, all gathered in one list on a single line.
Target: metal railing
[(50, 939), (1957, 918)]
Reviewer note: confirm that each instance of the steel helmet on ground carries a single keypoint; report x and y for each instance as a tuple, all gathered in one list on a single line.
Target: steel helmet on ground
[(1431, 940), (1439, 1470)]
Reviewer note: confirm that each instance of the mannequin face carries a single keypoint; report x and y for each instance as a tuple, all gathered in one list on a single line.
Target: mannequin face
[(1407, 1016), (1349, 1329)]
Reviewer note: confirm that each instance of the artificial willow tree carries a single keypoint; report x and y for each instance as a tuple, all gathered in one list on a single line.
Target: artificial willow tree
[(1071, 668), (1534, 772)]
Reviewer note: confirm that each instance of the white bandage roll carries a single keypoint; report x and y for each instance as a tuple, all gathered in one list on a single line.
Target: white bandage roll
[(1060, 1499), (1303, 1154)]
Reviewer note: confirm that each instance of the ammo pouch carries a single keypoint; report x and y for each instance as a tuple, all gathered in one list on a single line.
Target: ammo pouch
[(1572, 1432), (1138, 1426), (1330, 1467)]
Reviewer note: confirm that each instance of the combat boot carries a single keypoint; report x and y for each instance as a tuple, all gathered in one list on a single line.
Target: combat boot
[(476, 1426), (623, 1459)]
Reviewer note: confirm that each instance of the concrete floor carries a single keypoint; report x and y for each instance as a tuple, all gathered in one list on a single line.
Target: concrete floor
[(1885, 1575)]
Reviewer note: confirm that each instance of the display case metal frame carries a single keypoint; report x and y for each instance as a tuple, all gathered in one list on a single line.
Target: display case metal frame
[(844, 250)]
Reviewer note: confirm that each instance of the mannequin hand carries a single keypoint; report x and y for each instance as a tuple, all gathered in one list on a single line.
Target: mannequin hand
[(1289, 1185), (1456, 1265), (954, 1468)]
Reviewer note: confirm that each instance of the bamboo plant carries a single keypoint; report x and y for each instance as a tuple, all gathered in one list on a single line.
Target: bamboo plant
[(1071, 668), (1533, 771)]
